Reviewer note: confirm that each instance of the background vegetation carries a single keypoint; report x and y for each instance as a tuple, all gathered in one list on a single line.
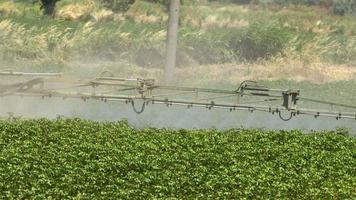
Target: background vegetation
[(282, 36), (215, 33), (83, 159)]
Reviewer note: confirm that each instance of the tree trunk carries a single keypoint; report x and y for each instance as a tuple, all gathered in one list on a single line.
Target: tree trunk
[(48, 7), (172, 37)]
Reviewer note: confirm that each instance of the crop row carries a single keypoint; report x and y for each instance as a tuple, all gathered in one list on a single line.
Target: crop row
[(42, 159)]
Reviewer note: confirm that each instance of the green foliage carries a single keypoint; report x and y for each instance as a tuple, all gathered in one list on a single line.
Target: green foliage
[(163, 2), (336, 47), (339, 7), (118, 5), (210, 46), (342, 7), (300, 2), (281, 2), (232, 1), (65, 159), (260, 41), (343, 131), (209, 34)]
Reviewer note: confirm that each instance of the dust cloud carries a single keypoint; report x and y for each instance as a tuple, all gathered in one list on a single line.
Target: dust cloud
[(160, 116)]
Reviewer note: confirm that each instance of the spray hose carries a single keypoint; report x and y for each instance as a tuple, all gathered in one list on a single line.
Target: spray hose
[(138, 111), (283, 118)]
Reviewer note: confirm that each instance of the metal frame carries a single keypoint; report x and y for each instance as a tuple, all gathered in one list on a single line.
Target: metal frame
[(110, 88)]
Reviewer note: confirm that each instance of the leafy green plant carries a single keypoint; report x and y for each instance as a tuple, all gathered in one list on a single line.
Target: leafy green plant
[(79, 159)]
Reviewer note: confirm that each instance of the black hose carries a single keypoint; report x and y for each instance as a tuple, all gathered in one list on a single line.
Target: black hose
[(135, 109), (285, 119)]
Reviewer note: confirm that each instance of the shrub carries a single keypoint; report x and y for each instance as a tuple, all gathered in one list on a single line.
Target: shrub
[(297, 2), (118, 5), (206, 47), (232, 1), (164, 2), (342, 7), (260, 41)]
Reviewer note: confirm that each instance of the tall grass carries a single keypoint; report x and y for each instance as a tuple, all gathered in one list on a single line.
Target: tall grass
[(209, 34)]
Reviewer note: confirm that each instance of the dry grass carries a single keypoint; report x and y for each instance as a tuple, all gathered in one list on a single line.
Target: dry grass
[(76, 11), (215, 16), (104, 16), (233, 74), (35, 49), (292, 70), (38, 45), (9, 8)]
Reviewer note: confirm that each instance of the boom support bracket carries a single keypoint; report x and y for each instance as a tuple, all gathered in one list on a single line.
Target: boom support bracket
[(290, 99)]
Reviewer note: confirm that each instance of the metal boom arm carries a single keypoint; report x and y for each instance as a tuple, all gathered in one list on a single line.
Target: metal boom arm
[(260, 98)]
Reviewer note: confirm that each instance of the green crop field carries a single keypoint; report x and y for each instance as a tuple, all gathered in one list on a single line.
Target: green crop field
[(60, 159), (289, 44)]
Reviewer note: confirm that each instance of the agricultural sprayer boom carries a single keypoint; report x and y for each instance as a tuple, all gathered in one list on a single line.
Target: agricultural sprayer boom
[(139, 93)]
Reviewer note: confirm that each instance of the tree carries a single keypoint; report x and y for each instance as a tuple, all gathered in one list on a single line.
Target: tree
[(48, 7)]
